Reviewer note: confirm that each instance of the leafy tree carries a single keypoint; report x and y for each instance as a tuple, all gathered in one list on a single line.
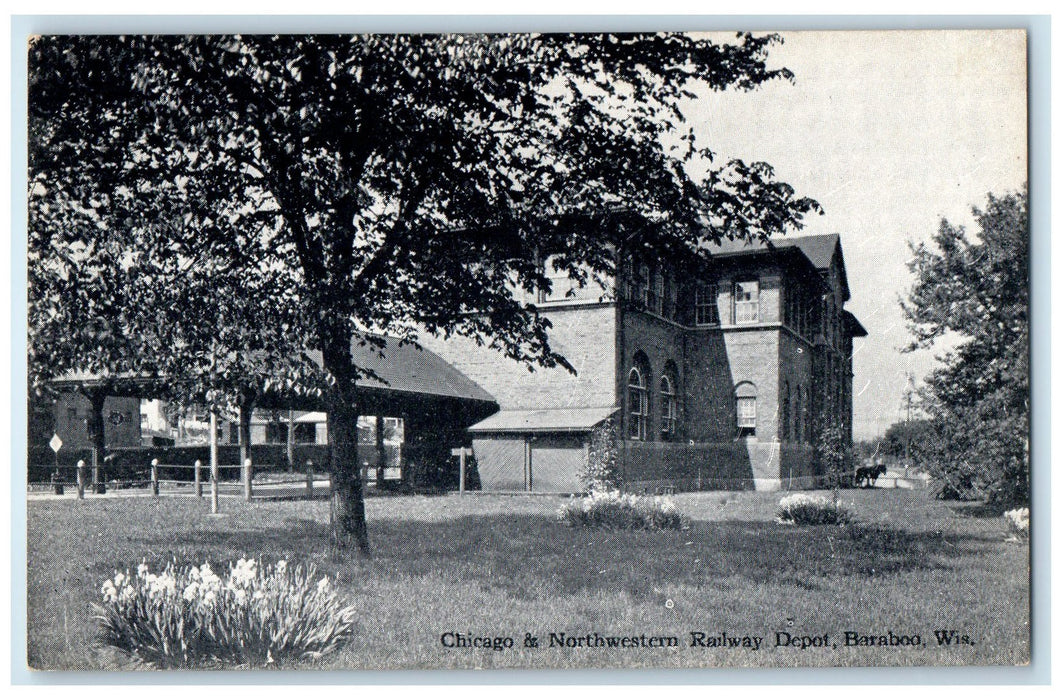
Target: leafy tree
[(977, 288), (410, 183), (910, 439)]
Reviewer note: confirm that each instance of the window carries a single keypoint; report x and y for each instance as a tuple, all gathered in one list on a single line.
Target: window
[(305, 433), (637, 405), (659, 292), (667, 292), (784, 410), (668, 408), (276, 433), (645, 292), (745, 400), (706, 308), (747, 302)]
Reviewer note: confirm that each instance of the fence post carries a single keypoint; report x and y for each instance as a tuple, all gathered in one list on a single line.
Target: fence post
[(309, 478), (198, 478), (248, 475), (155, 477), (81, 479)]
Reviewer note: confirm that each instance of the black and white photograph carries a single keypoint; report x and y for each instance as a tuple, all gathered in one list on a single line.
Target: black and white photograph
[(551, 350)]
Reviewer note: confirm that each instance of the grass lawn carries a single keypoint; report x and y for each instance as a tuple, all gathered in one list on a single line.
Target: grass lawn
[(503, 566)]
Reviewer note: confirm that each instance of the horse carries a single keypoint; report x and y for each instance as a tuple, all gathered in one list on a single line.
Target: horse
[(867, 476)]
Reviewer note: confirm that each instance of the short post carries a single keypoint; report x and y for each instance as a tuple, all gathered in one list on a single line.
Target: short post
[(309, 478), (198, 478), (81, 479), (461, 471), (248, 475), (155, 478)]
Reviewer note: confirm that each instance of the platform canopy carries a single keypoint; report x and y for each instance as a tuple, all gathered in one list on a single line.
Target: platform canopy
[(544, 420)]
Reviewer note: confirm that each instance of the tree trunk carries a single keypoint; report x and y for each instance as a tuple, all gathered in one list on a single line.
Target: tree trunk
[(347, 513), (245, 431), (246, 409), (381, 453)]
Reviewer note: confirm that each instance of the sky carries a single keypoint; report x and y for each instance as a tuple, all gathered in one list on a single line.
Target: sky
[(889, 132)]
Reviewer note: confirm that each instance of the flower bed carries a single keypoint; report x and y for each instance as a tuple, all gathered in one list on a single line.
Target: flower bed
[(612, 509), (1018, 522), (802, 509), (189, 616)]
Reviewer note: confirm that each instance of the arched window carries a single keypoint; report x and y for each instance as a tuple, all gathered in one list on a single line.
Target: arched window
[(745, 402), (801, 400), (668, 406), (638, 402)]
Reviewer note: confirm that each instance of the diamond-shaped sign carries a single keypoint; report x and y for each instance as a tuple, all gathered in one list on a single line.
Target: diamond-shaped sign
[(55, 443)]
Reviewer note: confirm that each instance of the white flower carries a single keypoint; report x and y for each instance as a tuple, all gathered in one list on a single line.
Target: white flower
[(322, 585), (127, 594), (110, 593), (119, 578), (142, 570), (282, 566), (1018, 518), (191, 591)]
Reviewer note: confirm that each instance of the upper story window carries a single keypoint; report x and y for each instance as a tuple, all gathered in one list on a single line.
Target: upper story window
[(747, 302), (644, 292), (637, 404), (659, 298), (668, 408), (705, 305)]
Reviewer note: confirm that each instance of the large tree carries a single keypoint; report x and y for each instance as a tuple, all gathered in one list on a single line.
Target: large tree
[(411, 183), (974, 290)]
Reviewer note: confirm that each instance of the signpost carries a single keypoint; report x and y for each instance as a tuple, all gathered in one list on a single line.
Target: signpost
[(56, 443), (460, 453)]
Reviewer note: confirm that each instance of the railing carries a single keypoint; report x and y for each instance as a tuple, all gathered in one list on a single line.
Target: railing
[(268, 481)]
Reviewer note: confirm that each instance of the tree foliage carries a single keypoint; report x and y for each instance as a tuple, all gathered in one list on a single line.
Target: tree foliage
[(977, 289), (908, 438), (393, 184)]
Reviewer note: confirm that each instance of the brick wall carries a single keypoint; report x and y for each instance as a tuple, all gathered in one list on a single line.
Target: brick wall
[(584, 335), (661, 343)]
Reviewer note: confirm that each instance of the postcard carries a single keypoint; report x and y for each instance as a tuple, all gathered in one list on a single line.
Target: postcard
[(528, 350)]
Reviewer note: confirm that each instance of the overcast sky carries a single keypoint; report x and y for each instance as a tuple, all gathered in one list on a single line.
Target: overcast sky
[(889, 131)]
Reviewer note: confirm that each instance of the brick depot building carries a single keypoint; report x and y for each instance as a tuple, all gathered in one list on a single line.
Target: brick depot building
[(719, 382)]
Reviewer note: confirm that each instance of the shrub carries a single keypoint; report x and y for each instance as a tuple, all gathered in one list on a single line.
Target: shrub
[(615, 510), (1018, 522), (189, 616), (802, 509)]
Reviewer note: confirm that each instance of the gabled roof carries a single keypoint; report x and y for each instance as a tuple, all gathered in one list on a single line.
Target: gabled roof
[(818, 250), (407, 368), (397, 366), (551, 420)]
